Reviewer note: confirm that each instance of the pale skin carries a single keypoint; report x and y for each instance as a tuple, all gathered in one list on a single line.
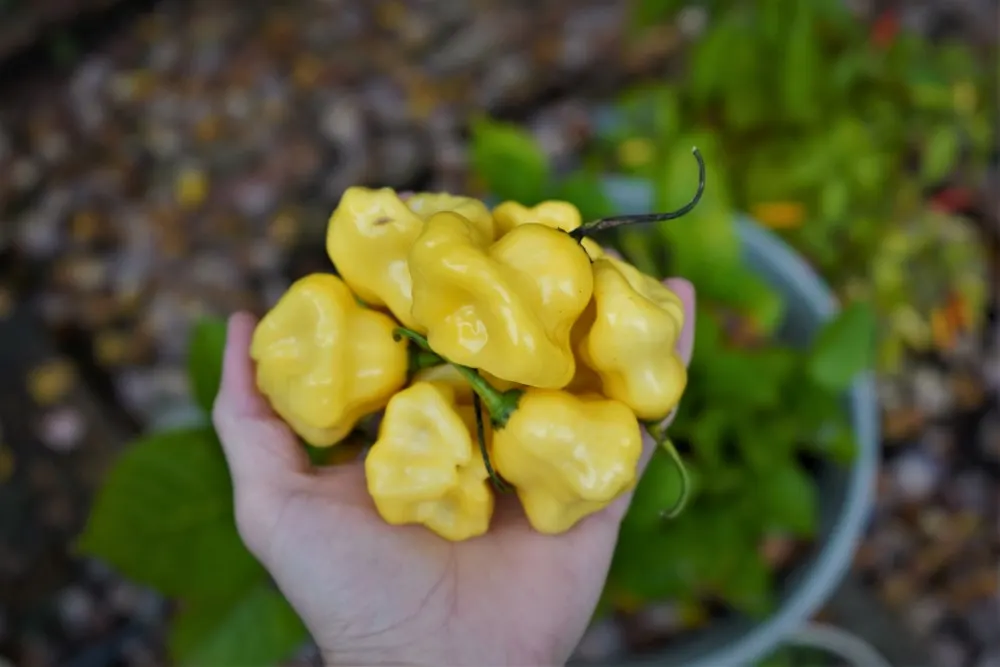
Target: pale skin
[(374, 594)]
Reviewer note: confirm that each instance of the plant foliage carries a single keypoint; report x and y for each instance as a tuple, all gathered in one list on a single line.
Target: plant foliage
[(754, 412), (164, 518)]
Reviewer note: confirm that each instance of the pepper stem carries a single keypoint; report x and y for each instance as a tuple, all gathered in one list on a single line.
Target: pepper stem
[(617, 221), (500, 404), (498, 481), (422, 359), (663, 442)]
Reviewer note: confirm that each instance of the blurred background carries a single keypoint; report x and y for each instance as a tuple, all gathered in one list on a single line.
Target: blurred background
[(164, 160)]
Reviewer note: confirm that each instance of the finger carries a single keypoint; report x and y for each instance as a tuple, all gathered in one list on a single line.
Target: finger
[(685, 292), (259, 447), (238, 395)]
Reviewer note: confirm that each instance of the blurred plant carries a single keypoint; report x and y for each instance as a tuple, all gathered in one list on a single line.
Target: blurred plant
[(164, 518), (756, 414), (830, 135)]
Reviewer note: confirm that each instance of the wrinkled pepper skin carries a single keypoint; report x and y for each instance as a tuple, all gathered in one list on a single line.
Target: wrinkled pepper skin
[(555, 214), (426, 204), (505, 308), (568, 456), (426, 468), (369, 236), (324, 361), (634, 322)]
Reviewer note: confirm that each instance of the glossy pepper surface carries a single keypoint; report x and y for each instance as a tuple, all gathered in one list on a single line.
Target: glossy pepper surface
[(426, 468), (631, 330), (369, 236), (324, 361), (555, 214), (507, 307), (568, 456), (426, 204)]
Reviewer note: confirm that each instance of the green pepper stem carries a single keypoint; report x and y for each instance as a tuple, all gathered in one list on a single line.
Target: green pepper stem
[(500, 404), (663, 442), (617, 221), (422, 359), (498, 482)]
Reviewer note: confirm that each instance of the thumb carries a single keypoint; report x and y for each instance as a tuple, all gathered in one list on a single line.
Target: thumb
[(260, 448)]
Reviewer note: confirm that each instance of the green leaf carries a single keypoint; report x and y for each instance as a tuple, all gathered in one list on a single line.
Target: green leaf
[(256, 628), (510, 161), (585, 191), (788, 500), (707, 432), (659, 562), (750, 589), (941, 154), (205, 349), (723, 542), (769, 438), (844, 347), (801, 64), (743, 290), (834, 200), (708, 64), (164, 517), (835, 442)]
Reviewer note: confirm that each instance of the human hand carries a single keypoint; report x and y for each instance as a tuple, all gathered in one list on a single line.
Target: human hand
[(375, 594)]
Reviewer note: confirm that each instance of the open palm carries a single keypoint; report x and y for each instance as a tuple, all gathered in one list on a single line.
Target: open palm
[(375, 594)]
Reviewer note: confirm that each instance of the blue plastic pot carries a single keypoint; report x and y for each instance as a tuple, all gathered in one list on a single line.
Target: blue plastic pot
[(846, 495)]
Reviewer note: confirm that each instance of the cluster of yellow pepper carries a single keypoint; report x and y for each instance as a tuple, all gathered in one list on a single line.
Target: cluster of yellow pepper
[(547, 357)]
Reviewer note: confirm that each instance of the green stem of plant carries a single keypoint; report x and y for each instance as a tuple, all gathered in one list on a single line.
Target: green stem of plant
[(617, 221), (422, 359), (498, 482), (663, 442), (500, 404)]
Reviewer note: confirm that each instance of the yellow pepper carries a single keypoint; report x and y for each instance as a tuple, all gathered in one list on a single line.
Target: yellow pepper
[(426, 204), (426, 467), (567, 456), (631, 333), (324, 361), (370, 233), (555, 214), (505, 308)]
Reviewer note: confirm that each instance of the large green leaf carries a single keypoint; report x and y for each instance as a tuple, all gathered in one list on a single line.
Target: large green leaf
[(205, 348), (844, 348), (510, 161), (255, 628), (164, 517)]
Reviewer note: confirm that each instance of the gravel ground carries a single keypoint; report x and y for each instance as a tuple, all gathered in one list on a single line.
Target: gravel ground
[(188, 166)]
